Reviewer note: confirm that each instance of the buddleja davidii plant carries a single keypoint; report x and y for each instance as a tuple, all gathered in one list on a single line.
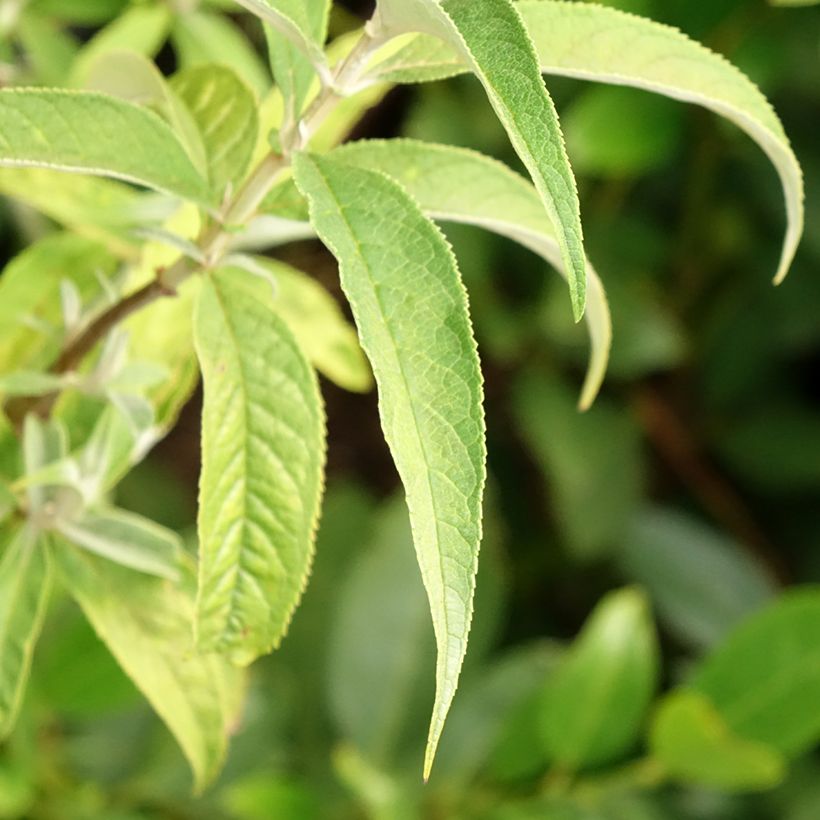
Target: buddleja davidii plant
[(251, 176)]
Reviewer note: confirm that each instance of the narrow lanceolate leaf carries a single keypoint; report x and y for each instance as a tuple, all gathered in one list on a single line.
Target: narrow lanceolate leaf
[(411, 311), (490, 37), (146, 624), (224, 108), (458, 185), (25, 582), (592, 42), (91, 133), (262, 470), (294, 19)]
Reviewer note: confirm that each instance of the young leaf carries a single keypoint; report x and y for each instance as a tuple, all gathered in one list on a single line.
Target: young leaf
[(316, 322), (606, 45), (262, 470), (765, 678), (224, 108), (25, 583), (693, 744), (146, 624), (61, 129), (512, 79), (458, 185), (597, 699), (127, 539), (29, 383), (411, 311)]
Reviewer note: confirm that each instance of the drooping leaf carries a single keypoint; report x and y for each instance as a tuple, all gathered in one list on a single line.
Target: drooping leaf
[(146, 624), (25, 583), (262, 470), (596, 701), (764, 679), (512, 80), (224, 108), (316, 322), (701, 582), (590, 42), (127, 539), (61, 129), (411, 312), (693, 743), (458, 185)]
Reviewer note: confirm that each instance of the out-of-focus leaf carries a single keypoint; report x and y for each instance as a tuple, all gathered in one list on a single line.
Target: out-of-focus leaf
[(596, 700), (48, 48), (764, 679), (593, 461), (693, 743), (25, 584), (84, 12), (262, 797), (701, 582)]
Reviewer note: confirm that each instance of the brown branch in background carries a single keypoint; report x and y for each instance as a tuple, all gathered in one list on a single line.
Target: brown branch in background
[(681, 450)]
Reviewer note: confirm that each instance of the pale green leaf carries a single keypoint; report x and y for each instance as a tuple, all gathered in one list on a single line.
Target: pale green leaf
[(765, 677), (146, 624), (29, 383), (595, 703), (25, 583), (316, 322), (127, 539), (224, 109), (691, 741), (203, 37), (458, 185), (49, 49), (410, 306), (63, 130), (492, 40), (262, 470), (45, 443), (590, 42), (141, 28)]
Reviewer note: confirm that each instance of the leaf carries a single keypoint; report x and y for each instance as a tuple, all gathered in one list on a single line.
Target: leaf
[(457, 185), (296, 20), (224, 108), (25, 584), (48, 48), (203, 37), (127, 539), (262, 471), (29, 383), (316, 322), (692, 742), (512, 79), (146, 624), (61, 129), (765, 677), (701, 582), (411, 311), (596, 701), (590, 42)]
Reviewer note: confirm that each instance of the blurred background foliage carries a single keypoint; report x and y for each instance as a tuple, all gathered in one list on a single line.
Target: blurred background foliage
[(684, 504)]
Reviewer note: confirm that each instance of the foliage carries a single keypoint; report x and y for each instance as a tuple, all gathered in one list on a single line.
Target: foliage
[(159, 175)]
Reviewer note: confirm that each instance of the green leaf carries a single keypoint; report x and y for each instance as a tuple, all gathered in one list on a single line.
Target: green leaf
[(48, 48), (765, 678), (202, 37), (85, 12), (590, 42), (141, 28), (262, 470), (61, 129), (693, 743), (301, 23), (224, 108), (25, 583), (512, 79), (146, 624), (316, 322), (29, 383), (458, 185), (411, 311), (596, 701), (701, 582), (127, 539)]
